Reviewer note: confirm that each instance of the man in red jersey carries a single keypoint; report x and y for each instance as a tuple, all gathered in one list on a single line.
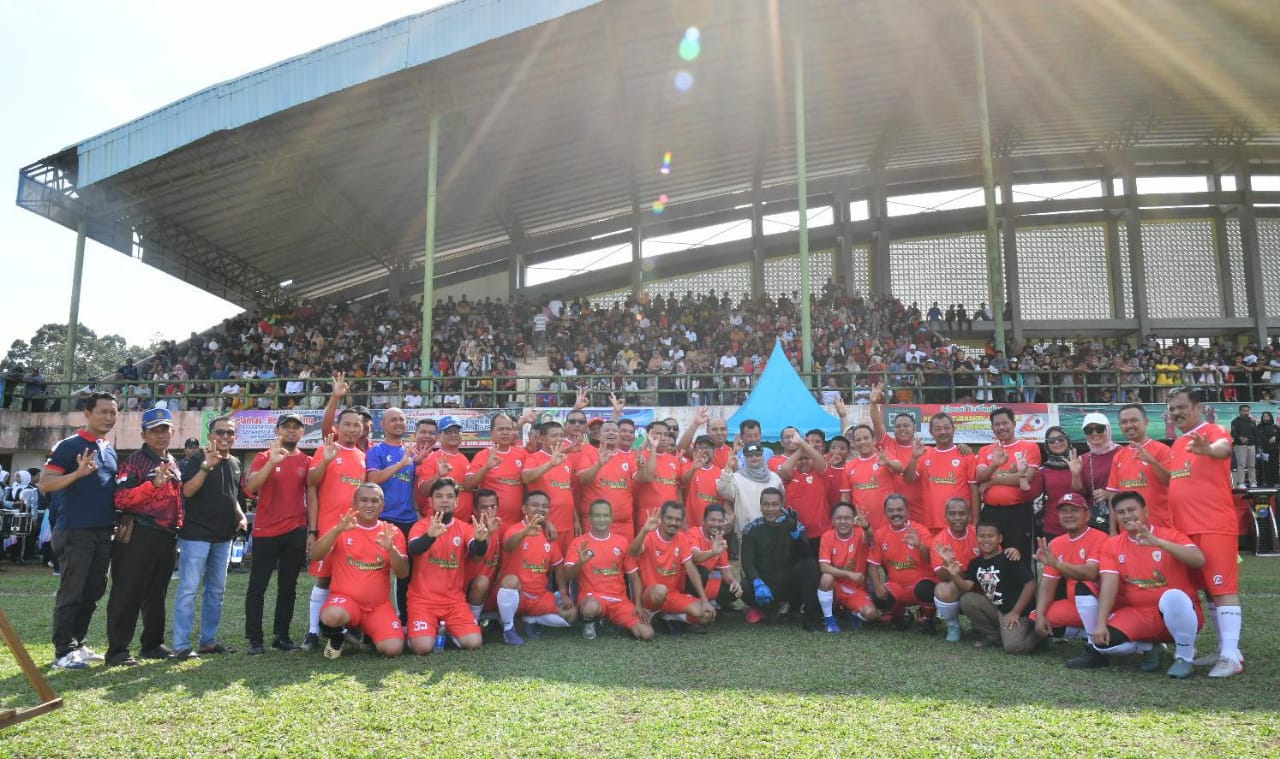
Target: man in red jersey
[(1008, 473), (871, 480), (658, 478), (551, 471), (1070, 609), (611, 477), (332, 418), (805, 475), (337, 470), (1146, 591), (278, 478), (943, 472), (900, 447), (442, 545), (900, 555), (838, 452), (956, 543), (499, 469), (531, 559), (1202, 507), (446, 461), (662, 553), (363, 553), (717, 432), (711, 555), (842, 559), (1142, 466), (700, 478), (604, 568), (790, 440), (482, 571)]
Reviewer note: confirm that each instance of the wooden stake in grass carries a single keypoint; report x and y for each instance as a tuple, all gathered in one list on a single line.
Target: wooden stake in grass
[(34, 676)]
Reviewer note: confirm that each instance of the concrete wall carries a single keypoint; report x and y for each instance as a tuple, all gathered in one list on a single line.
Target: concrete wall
[(36, 434)]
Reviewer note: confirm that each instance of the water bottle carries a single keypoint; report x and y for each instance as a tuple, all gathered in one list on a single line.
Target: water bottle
[(440, 638), (237, 549)]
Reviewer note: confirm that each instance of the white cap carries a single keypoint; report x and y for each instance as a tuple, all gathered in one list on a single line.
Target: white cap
[(1096, 418)]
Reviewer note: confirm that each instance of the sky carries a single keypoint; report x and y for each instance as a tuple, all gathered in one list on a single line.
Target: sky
[(75, 69)]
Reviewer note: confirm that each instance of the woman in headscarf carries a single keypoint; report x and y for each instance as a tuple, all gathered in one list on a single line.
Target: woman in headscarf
[(1095, 469), (1266, 438), (1059, 460)]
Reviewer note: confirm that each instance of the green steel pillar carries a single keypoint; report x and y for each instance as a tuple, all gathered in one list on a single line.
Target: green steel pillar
[(429, 263), (806, 320), (995, 279), (73, 321)]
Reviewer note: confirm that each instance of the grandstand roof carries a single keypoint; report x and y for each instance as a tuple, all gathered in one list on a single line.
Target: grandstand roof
[(556, 115)]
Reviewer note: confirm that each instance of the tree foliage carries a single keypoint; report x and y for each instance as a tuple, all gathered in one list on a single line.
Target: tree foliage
[(96, 357)]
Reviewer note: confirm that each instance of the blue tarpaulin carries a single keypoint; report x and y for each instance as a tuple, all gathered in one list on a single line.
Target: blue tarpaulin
[(781, 399)]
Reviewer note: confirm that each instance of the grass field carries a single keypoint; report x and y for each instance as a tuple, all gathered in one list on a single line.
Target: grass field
[(740, 691)]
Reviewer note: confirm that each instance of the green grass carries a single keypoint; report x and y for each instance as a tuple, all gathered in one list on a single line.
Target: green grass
[(740, 691)]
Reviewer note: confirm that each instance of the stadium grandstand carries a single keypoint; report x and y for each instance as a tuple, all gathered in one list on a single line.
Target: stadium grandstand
[(1071, 202)]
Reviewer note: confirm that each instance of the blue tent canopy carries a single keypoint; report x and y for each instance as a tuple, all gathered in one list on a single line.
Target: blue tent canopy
[(781, 399)]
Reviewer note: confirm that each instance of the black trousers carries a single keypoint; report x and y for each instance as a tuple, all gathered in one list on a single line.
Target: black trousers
[(402, 586), (796, 583), (140, 572), (1017, 524), (83, 555), (285, 555)]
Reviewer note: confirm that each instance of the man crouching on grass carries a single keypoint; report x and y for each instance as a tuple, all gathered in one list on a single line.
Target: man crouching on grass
[(363, 552), (997, 595)]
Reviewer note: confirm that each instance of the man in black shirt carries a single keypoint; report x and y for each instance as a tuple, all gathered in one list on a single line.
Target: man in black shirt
[(997, 595), (211, 518), (777, 565)]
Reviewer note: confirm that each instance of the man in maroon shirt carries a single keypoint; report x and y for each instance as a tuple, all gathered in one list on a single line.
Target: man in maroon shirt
[(278, 476)]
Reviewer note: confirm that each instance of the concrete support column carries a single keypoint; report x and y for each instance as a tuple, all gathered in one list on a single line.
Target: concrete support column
[(1252, 258), (1012, 282), (1137, 260)]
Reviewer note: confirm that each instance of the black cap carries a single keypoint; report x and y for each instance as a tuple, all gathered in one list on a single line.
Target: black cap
[(363, 411), (289, 416), (192, 442), (753, 448)]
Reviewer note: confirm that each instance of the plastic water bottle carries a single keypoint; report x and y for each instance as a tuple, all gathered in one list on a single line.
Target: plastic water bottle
[(237, 550), (440, 638)]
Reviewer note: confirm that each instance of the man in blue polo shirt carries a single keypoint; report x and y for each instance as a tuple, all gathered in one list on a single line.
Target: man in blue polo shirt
[(81, 473), (391, 465)]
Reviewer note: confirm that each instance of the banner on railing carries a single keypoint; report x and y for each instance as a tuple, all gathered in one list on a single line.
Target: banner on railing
[(257, 429), (973, 420)]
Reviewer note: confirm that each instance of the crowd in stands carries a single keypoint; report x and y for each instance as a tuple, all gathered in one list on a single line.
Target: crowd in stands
[(702, 349)]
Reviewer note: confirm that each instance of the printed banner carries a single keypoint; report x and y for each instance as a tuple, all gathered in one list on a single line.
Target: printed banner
[(256, 429), (973, 420)]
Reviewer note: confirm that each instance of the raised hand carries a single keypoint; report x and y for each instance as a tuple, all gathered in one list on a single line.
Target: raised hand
[(617, 404), (347, 521), (999, 457), (340, 386), (652, 521), (276, 453), (912, 538), (585, 553), (861, 520), (330, 448), (841, 408), (86, 463), (437, 526), (877, 394), (1142, 454), (918, 448), (1199, 444), (534, 526), (444, 467), (386, 537), (1042, 552), (701, 417), (1074, 462), (719, 545), (580, 402), (494, 524), (481, 529)]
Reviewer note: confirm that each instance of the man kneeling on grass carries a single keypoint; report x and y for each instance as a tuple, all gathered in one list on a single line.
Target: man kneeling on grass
[(363, 552), (604, 569), (662, 553), (443, 547), (531, 558), (997, 595), (1145, 594)]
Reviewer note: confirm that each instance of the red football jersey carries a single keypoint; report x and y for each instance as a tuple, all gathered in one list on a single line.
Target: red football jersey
[(965, 547), (429, 469), (912, 490), (1085, 548), (662, 561), (282, 502), (846, 554), (698, 540), (557, 483), (666, 486), (701, 492), (807, 494), (944, 474), (1146, 572), (1009, 495), (1199, 496), (1129, 473), (533, 561), (440, 574), (504, 479), (614, 483), (361, 567), (870, 483), (337, 489), (605, 573), (901, 563)]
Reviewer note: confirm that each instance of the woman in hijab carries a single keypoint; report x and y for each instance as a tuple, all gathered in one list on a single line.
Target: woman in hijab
[(1266, 438), (1095, 469), (1060, 458)]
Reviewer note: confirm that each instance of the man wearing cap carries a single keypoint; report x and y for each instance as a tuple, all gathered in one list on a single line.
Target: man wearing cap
[(390, 465), (740, 488), (446, 461), (1142, 466), (278, 477), (1070, 609), (211, 518), (81, 470), (149, 497), (190, 448)]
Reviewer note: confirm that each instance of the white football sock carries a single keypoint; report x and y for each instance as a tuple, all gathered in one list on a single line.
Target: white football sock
[(1179, 614), (1087, 607), (548, 620), (477, 610), (508, 603), (318, 596), (948, 610), (1074, 633), (826, 599), (1229, 620), (1128, 647)]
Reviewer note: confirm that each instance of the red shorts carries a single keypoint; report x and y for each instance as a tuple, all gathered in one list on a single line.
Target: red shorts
[(619, 611), (380, 623), (852, 597), (537, 604), (1062, 613), (1220, 575), (1146, 623), (425, 617), (905, 597), (678, 603), (321, 569)]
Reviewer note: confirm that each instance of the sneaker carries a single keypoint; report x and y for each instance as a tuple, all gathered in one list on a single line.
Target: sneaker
[(1180, 670), (930, 626), (531, 630), (356, 640), (754, 616), (1150, 660), (216, 648), (70, 660), (256, 648), (672, 626), (953, 632), (512, 638), (831, 626), (122, 659), (1227, 667), (1089, 658), (738, 605), (182, 654), (311, 643), (905, 621), (284, 644), (589, 630), (1206, 660), (853, 623), (88, 655), (331, 651), (159, 652)]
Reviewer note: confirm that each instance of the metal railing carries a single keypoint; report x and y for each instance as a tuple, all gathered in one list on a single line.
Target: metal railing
[(709, 389)]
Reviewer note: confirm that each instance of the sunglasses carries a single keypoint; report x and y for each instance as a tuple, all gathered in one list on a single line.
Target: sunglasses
[(223, 433), (1094, 429), (1055, 439)]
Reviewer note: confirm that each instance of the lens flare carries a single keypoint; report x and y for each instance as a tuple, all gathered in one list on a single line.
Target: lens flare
[(684, 81), (666, 163)]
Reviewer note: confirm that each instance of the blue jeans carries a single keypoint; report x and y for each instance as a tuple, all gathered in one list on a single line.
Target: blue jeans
[(199, 562)]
